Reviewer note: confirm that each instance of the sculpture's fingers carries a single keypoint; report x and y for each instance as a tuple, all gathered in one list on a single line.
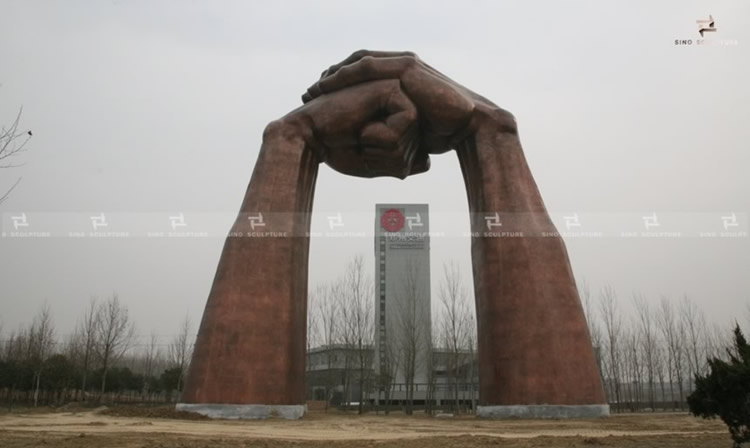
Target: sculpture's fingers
[(366, 69), (359, 54), (378, 134), (314, 91)]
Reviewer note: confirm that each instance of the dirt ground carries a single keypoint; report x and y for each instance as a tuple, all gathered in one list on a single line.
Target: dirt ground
[(148, 427)]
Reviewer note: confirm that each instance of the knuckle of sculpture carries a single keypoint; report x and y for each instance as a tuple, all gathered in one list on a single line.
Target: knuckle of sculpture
[(367, 62), (278, 128), (410, 114), (411, 61), (506, 120), (273, 128)]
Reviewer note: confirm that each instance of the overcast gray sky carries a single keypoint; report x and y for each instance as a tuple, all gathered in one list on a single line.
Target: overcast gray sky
[(144, 110)]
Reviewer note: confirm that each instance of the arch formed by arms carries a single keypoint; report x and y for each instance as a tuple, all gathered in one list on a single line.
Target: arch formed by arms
[(376, 114)]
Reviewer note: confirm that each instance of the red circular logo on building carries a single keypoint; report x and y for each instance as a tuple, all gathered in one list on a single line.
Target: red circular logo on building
[(392, 220)]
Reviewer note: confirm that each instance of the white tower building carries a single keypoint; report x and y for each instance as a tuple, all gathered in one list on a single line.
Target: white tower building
[(402, 292)]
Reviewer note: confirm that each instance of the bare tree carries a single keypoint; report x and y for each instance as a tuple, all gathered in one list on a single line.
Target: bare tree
[(589, 310), (389, 368), (673, 333), (181, 350), (346, 335), (12, 142), (313, 329), (595, 331), (328, 312), (358, 320), (114, 335), (149, 361), (471, 347), (86, 334), (414, 332), (649, 343), (454, 324), (633, 365), (41, 339), (612, 320), (694, 322)]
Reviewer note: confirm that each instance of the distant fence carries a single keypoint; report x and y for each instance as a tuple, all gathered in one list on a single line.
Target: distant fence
[(64, 396)]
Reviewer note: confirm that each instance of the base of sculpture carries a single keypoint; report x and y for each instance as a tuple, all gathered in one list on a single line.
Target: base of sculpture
[(244, 411), (544, 411)]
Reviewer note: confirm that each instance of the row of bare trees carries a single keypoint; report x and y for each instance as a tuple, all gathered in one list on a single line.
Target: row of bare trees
[(649, 351), (101, 360), (648, 358)]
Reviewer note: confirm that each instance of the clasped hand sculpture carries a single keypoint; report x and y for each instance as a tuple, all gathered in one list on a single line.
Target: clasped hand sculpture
[(383, 114)]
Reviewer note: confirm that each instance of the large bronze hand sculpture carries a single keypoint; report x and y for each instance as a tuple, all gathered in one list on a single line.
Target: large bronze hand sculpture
[(375, 114), (535, 353)]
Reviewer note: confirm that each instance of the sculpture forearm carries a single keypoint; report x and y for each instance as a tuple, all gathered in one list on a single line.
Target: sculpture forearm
[(529, 317), (257, 305)]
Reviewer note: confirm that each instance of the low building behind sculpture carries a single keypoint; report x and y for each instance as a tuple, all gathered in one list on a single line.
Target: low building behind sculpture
[(333, 376)]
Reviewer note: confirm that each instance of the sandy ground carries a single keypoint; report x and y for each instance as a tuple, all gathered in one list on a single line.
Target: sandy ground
[(317, 429)]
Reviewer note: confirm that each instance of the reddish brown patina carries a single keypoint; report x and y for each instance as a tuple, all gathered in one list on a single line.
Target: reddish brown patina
[(384, 114)]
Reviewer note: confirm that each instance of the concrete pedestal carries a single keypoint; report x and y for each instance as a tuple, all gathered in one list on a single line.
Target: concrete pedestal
[(245, 411), (544, 411)]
